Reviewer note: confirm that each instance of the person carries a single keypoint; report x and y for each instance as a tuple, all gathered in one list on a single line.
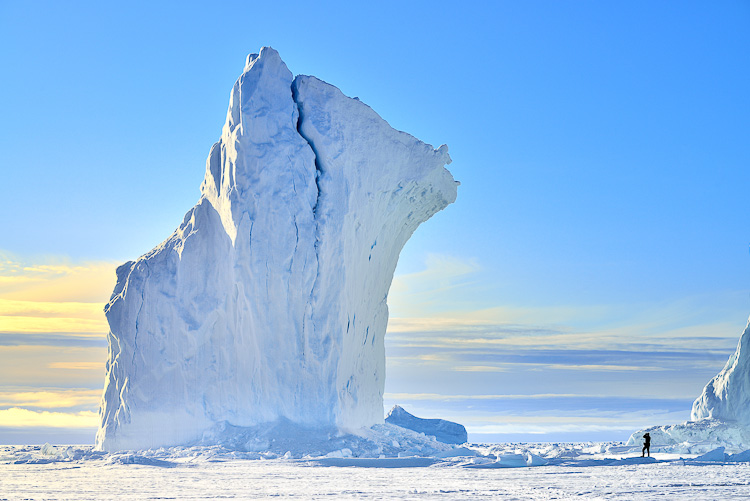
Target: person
[(646, 445)]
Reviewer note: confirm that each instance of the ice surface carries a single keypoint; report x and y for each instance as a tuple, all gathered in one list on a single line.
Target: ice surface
[(444, 431), (727, 396), (582, 471), (268, 304)]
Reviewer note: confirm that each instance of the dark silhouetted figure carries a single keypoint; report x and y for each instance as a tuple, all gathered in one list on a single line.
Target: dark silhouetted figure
[(646, 445)]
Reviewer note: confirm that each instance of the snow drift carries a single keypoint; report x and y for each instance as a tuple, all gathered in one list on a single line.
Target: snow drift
[(268, 303)]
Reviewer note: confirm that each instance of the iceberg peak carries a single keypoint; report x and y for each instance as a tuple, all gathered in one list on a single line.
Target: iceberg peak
[(267, 53)]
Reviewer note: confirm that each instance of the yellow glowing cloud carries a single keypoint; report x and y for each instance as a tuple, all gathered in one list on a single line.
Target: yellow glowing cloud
[(17, 417), (10, 307), (76, 366), (42, 366), (51, 399), (32, 324), (57, 280), (55, 296)]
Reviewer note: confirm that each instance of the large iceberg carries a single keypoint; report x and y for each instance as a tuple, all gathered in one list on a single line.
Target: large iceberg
[(268, 303)]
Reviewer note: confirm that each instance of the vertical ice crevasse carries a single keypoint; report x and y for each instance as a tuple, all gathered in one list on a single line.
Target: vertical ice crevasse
[(269, 300)]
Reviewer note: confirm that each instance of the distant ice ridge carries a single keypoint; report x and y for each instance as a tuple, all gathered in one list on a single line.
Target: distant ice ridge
[(268, 303), (443, 430)]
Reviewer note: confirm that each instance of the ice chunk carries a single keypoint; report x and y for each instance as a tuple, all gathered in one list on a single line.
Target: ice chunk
[(714, 455), (444, 431), (534, 460), (49, 450), (740, 457), (458, 452), (512, 460)]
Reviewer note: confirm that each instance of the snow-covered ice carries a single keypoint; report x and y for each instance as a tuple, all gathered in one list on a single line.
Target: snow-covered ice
[(696, 437), (268, 304), (474, 471)]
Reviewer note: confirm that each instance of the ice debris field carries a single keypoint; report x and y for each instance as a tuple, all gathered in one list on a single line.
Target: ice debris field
[(470, 471)]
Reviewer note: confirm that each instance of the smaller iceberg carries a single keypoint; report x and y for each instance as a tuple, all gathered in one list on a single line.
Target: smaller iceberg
[(720, 416), (727, 396), (444, 431)]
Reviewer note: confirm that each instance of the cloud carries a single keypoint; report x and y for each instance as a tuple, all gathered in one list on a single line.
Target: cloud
[(439, 396), (77, 366), (629, 329), (439, 269), (62, 324), (61, 339), (17, 417), (52, 279), (444, 344), (423, 293), (46, 309), (480, 368), (51, 398), (45, 366), (54, 296), (569, 367)]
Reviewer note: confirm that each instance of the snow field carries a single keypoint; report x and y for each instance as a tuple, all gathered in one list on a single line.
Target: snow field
[(575, 471)]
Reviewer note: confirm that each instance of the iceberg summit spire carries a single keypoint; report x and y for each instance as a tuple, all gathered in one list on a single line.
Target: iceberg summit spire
[(268, 303)]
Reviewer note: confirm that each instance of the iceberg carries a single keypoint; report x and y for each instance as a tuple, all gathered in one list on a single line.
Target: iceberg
[(268, 303), (444, 431), (727, 396), (720, 416)]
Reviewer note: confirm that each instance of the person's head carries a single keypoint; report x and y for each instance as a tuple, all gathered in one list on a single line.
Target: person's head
[(646, 435)]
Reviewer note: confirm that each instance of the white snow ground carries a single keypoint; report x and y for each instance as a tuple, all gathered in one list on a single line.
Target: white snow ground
[(584, 471)]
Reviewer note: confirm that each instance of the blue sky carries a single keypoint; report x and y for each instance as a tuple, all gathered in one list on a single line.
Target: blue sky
[(590, 278)]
